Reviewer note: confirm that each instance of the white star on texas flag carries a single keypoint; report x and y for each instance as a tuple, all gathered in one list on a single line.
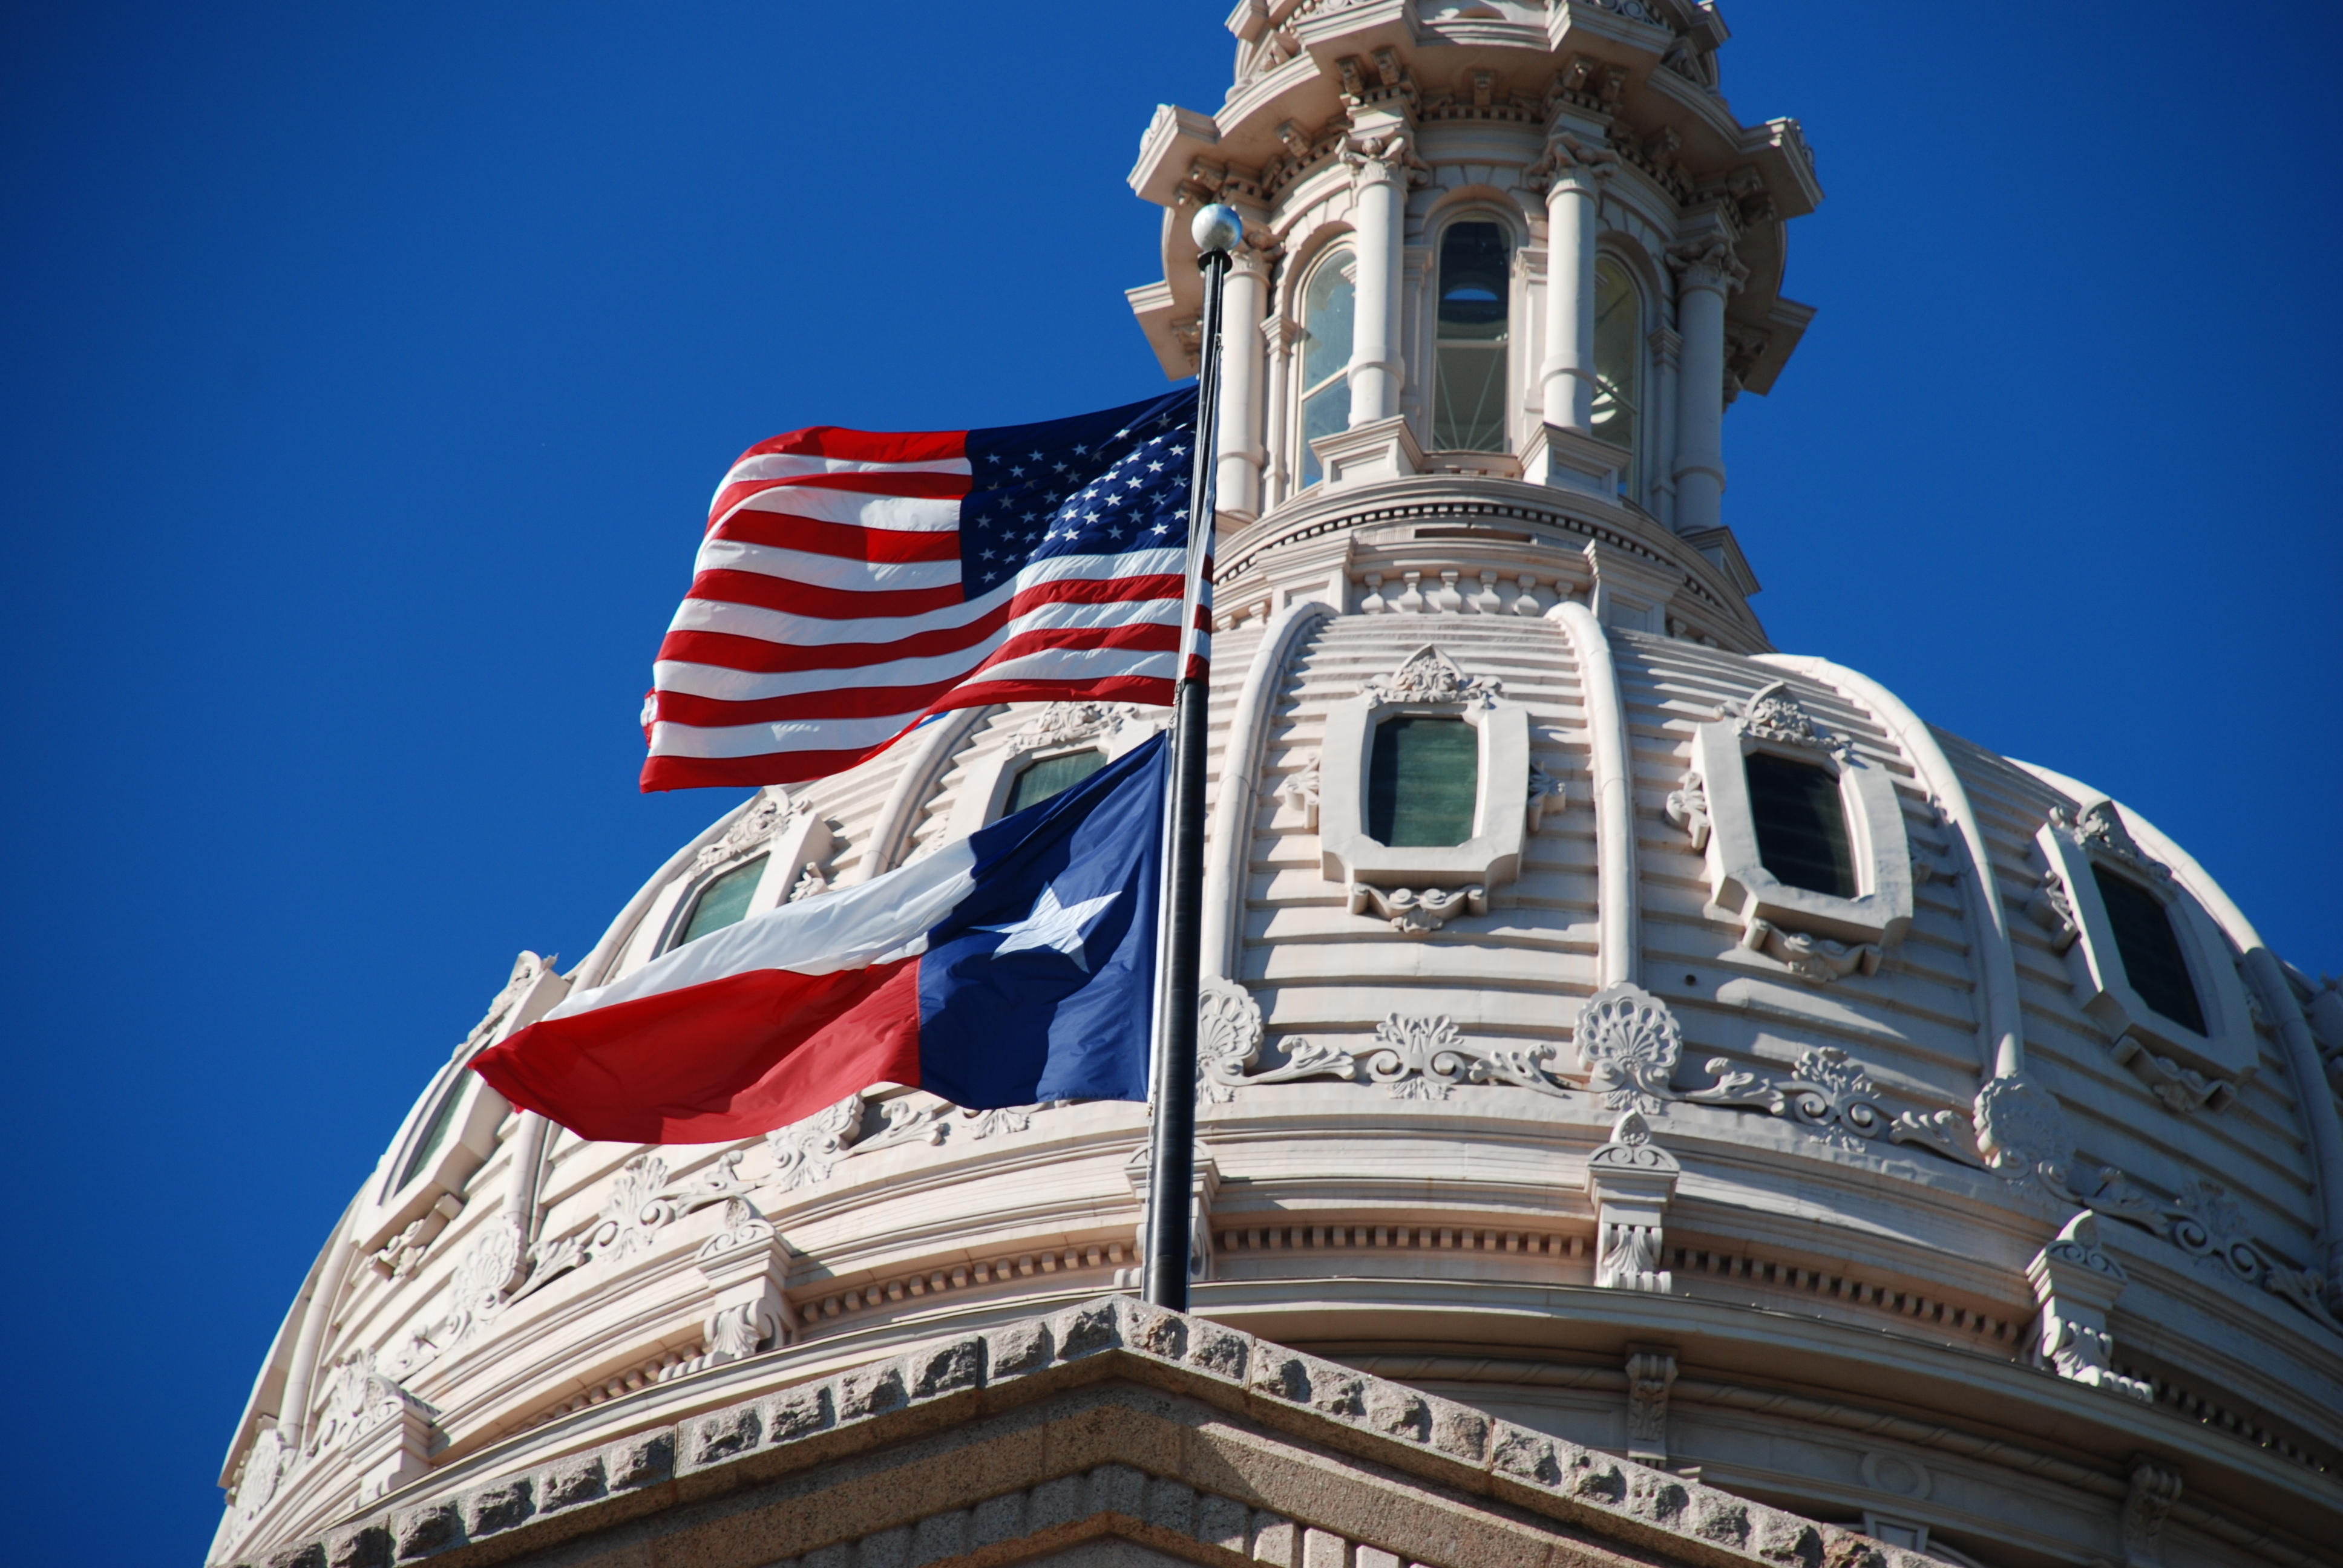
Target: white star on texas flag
[(1053, 925)]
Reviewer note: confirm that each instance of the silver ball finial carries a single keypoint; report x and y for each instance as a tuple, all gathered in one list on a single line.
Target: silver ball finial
[(1217, 227)]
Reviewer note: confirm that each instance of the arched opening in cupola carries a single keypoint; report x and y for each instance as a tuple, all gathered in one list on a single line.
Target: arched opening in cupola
[(1473, 318), (1327, 317)]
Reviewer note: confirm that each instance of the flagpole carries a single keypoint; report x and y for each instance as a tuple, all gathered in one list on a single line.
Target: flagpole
[(1172, 1164)]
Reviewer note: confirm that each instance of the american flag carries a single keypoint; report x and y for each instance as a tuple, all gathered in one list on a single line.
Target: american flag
[(852, 584)]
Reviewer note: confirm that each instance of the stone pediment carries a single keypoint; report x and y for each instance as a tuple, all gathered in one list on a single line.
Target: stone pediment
[(1110, 1433)]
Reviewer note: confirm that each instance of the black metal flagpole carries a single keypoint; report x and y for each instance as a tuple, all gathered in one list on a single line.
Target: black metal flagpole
[(1172, 1164)]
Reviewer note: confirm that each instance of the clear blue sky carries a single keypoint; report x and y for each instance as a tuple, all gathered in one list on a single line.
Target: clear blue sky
[(368, 366)]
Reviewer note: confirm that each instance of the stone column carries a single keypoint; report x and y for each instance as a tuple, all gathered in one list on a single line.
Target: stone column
[(1279, 334), (1707, 271), (1380, 154), (1660, 424), (1574, 170), (1238, 492)]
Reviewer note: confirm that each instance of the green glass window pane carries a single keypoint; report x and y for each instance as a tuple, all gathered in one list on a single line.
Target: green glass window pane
[(1051, 775), (1469, 415), (2150, 949), (724, 900), (1801, 824), (1325, 412), (1326, 320), (1424, 783), (442, 1120)]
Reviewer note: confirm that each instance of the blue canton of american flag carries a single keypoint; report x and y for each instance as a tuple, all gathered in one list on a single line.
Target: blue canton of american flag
[(852, 584)]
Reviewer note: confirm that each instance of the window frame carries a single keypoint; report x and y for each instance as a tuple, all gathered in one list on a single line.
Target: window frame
[(2226, 1054), (1338, 252), (991, 760), (1510, 374), (1880, 914), (1492, 855)]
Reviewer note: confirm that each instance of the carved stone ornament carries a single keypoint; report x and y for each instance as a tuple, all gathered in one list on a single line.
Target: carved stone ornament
[(2207, 1225), (1063, 723), (768, 816), (2099, 828), (1424, 1058), (1546, 793), (1774, 714), (1708, 262), (2146, 1502), (1568, 155), (1817, 961), (2053, 909), (2179, 1088), (1629, 1044), (1417, 911), (812, 883), (1431, 675), (1831, 1094), (526, 970), (1384, 154), (1687, 808), (1632, 1180), (1650, 1375), (2076, 1282), (1301, 791), (2023, 1131), (1228, 1038)]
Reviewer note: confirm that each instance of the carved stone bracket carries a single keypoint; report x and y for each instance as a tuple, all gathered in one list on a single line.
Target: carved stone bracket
[(747, 1266), (2098, 826), (2147, 1501), (2076, 1283), (1546, 793), (1417, 911), (1204, 1186), (403, 1253), (1817, 961), (1063, 723), (1632, 1180), (1831, 1093), (1651, 1373), (384, 1434), (1301, 791), (2053, 909)]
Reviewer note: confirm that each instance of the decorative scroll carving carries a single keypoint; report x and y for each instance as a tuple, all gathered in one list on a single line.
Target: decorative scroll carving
[(1418, 911), (1831, 1093), (805, 1152), (2207, 1225), (1301, 791), (1632, 1180), (1687, 808), (1817, 961), (1424, 1058), (2052, 908), (770, 813), (813, 883), (2076, 1282), (1431, 675), (403, 1253), (526, 971), (1774, 715), (1229, 1037), (1650, 1375), (1063, 723), (2181, 1088), (1629, 1044)]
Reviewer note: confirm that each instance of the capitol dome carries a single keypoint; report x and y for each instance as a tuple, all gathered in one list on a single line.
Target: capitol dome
[(1653, 1040)]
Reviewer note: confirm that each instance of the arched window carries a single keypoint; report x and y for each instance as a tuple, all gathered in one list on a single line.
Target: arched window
[(1468, 398), (1424, 783), (1326, 319), (1801, 824), (1619, 361)]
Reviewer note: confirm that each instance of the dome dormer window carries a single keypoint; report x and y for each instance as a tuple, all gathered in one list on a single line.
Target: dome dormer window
[(1050, 776), (1801, 822), (1424, 783), (1468, 403), (2150, 948), (724, 901), (1619, 361), (1327, 318)]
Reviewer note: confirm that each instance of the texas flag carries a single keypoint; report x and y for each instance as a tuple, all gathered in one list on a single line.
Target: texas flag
[(1008, 967)]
